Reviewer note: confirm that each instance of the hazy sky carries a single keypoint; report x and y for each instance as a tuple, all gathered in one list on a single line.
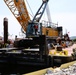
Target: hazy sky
[(62, 11)]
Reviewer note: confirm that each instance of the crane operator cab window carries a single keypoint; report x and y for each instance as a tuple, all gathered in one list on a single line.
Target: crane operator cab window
[(33, 29)]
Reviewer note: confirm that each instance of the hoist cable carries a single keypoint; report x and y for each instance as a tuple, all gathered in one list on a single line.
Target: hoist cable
[(30, 8)]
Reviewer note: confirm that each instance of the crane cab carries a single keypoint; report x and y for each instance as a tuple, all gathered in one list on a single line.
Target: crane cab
[(33, 29)]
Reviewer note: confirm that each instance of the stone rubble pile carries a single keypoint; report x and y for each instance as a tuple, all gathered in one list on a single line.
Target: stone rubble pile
[(71, 70)]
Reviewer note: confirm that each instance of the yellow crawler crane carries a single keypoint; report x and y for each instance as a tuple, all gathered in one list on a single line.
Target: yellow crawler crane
[(19, 10)]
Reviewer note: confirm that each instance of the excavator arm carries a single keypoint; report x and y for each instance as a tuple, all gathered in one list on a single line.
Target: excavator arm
[(19, 10)]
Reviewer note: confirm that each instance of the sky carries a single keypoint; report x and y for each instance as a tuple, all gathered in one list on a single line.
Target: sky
[(62, 12)]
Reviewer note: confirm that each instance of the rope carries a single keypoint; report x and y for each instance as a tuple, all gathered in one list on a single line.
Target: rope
[(30, 9)]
